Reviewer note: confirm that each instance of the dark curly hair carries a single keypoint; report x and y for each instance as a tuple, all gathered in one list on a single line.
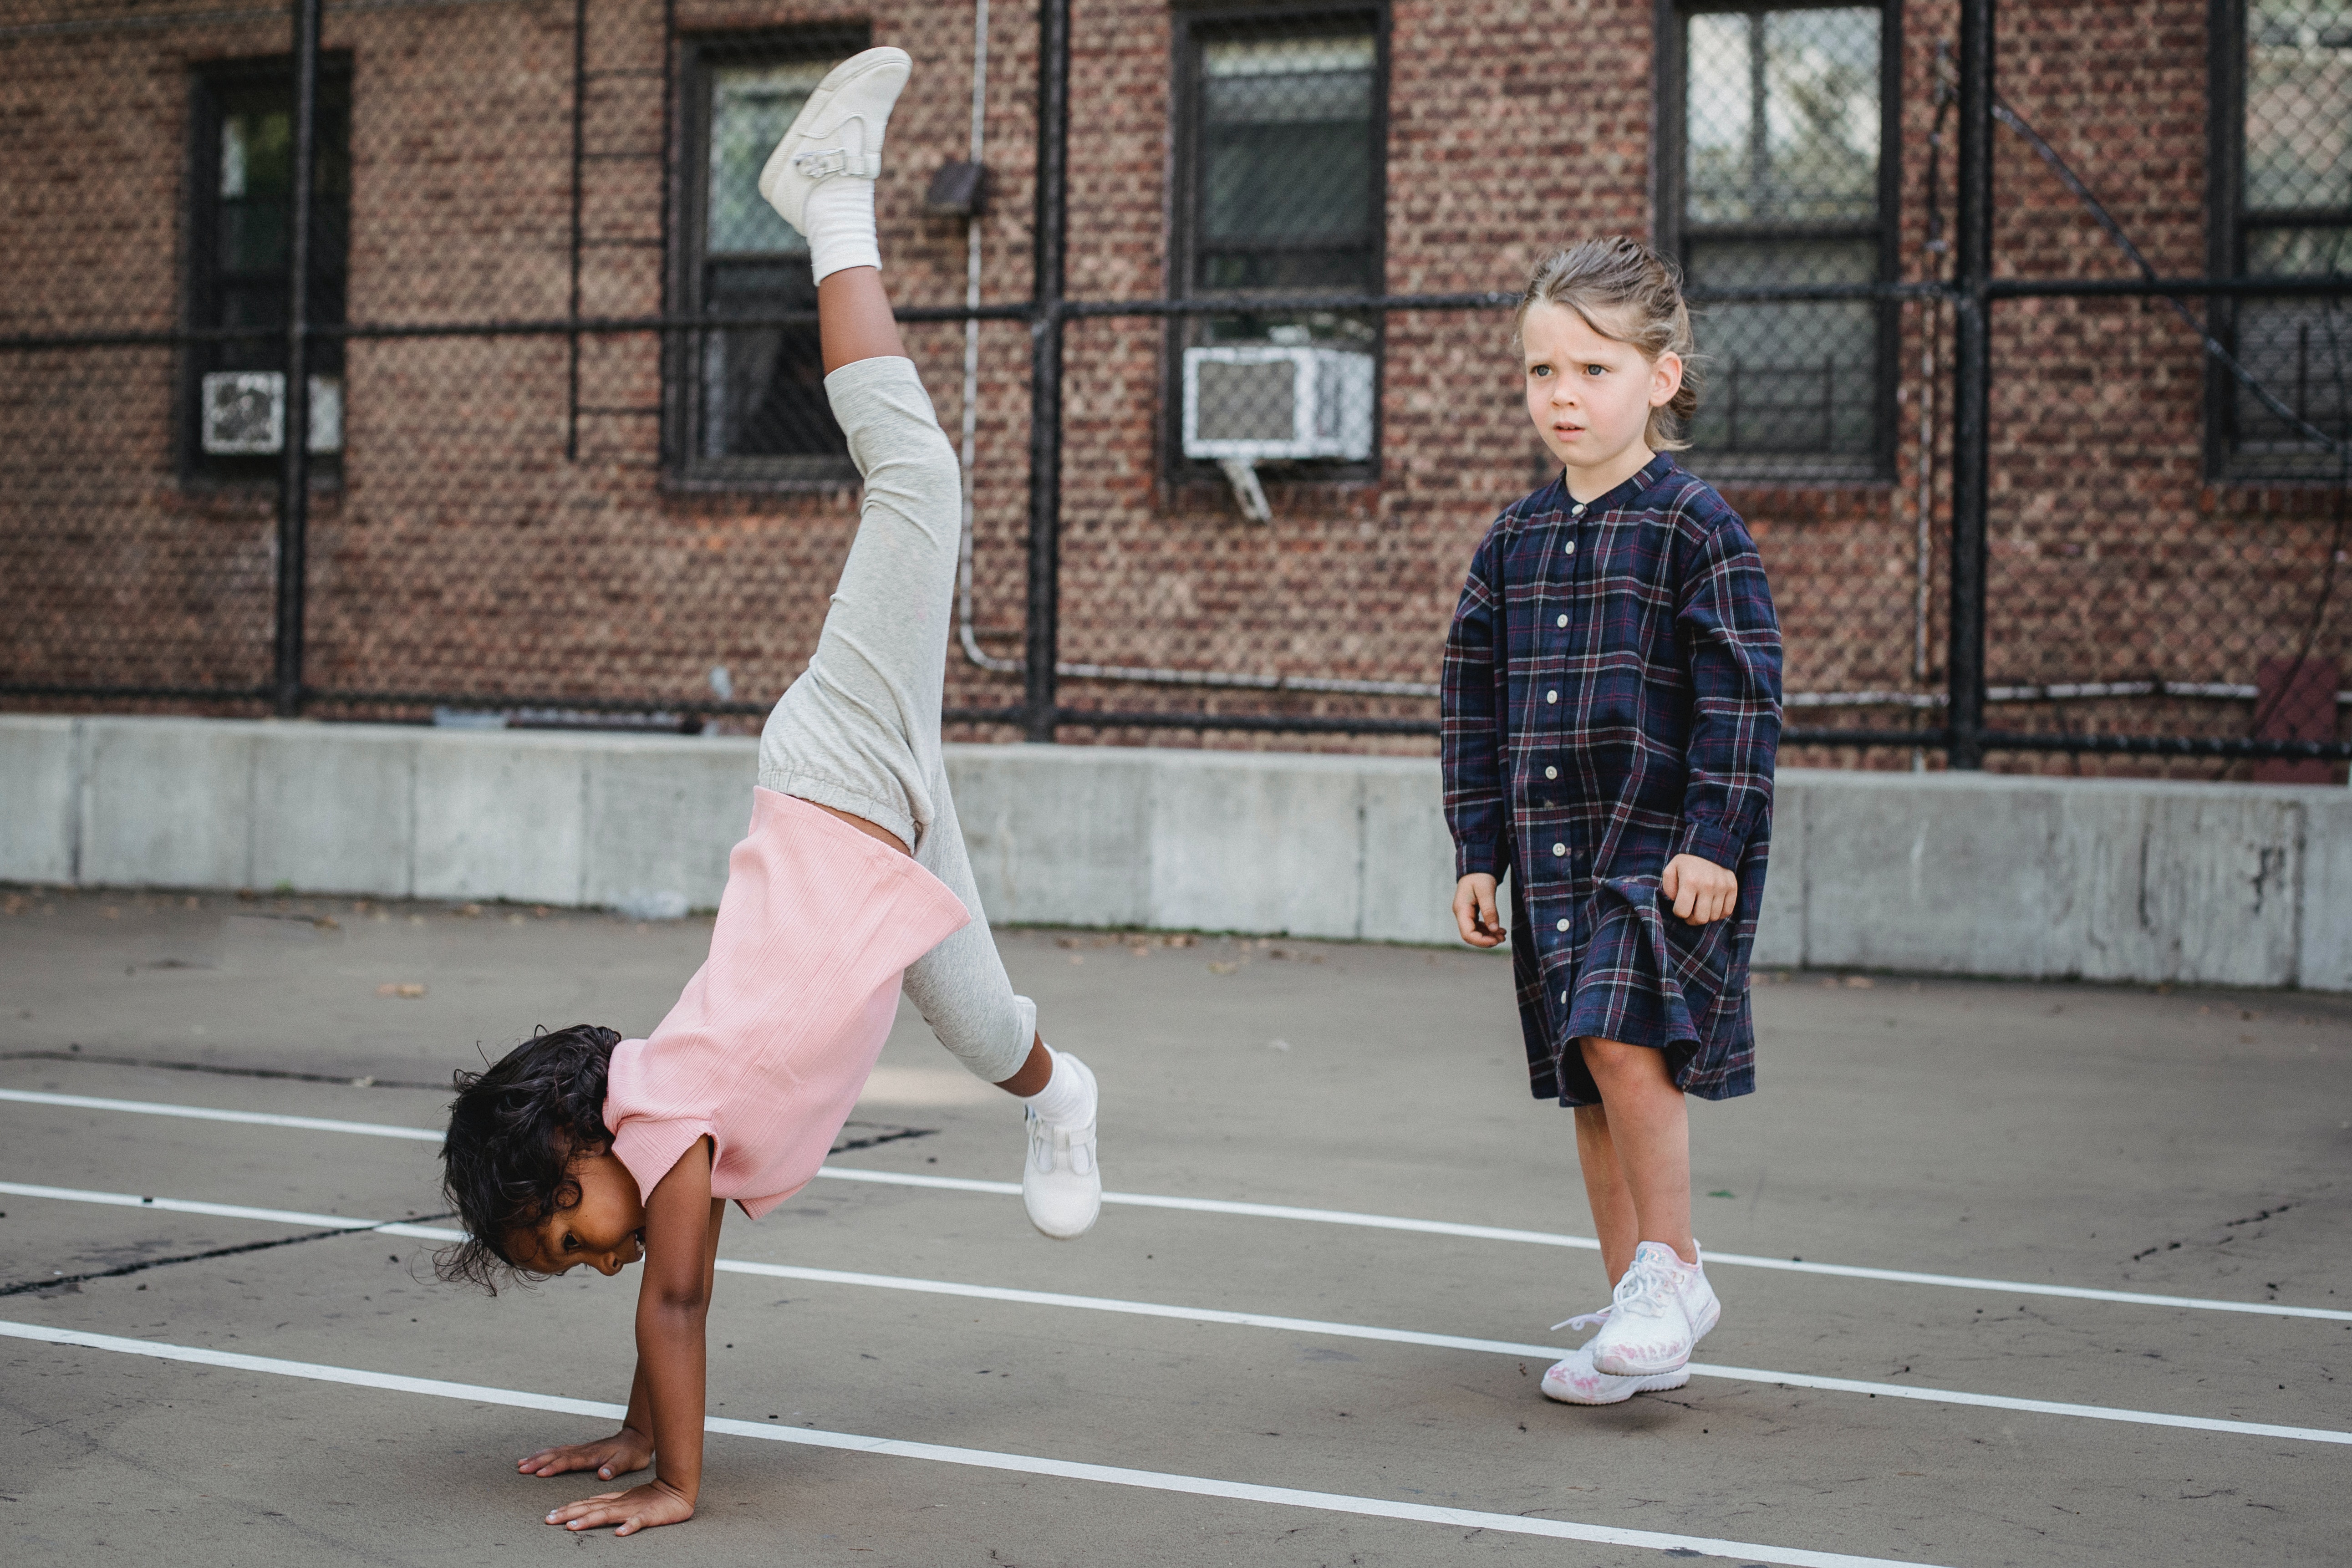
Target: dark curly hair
[(513, 1130)]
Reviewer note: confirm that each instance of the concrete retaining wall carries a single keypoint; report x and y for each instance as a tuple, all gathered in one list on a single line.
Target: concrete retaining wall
[(1975, 874)]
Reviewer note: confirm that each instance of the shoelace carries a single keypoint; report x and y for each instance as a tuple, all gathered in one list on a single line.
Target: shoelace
[(1583, 1321), (1644, 1290)]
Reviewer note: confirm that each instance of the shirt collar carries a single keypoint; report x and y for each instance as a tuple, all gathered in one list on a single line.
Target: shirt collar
[(1650, 473)]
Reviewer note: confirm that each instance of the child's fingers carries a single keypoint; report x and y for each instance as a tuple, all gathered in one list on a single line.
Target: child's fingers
[(589, 1512)]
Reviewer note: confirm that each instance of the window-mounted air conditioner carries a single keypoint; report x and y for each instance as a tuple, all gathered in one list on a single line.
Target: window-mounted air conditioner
[(244, 413), (1244, 407)]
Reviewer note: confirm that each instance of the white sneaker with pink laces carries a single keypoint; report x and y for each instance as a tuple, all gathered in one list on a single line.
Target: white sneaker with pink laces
[(1660, 1310), (1576, 1381)]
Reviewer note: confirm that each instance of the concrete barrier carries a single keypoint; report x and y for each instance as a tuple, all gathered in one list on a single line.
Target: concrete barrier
[(1951, 873)]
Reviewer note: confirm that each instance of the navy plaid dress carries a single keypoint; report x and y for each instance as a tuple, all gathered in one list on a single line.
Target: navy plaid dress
[(1612, 699)]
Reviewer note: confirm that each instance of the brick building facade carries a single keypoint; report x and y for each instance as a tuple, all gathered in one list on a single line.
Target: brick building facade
[(483, 530)]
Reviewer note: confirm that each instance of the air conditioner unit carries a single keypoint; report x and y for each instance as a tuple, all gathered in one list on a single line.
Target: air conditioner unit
[(1270, 405), (1244, 407), (244, 413)]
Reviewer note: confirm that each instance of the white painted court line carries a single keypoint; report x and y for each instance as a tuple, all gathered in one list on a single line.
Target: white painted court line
[(206, 1113), (1279, 1211), (1267, 1320), (1549, 1238), (189, 1206), (981, 1458)]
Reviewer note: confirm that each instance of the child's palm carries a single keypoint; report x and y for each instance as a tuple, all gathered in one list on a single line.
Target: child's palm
[(617, 1455)]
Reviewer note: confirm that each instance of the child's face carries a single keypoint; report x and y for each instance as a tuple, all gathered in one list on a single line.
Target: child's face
[(606, 1230), (1591, 396)]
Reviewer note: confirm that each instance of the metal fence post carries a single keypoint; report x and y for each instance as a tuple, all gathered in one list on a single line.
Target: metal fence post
[(1042, 652), (294, 475), (1971, 384)]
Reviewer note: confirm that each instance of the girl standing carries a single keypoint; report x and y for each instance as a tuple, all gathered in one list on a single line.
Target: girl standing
[(1611, 708)]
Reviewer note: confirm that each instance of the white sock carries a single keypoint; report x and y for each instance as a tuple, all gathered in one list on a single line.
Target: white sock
[(839, 215), (1068, 1099)]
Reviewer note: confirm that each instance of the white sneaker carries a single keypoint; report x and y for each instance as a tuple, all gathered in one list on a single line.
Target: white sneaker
[(838, 131), (1061, 1186), (1661, 1309), (1576, 1381)]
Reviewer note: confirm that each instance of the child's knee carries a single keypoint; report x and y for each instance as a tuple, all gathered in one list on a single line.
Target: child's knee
[(1614, 1061)]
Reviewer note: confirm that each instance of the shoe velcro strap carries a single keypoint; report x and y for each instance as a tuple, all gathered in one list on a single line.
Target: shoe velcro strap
[(835, 161)]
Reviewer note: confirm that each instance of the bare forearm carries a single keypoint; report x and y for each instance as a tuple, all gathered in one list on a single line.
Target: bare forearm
[(671, 1366), (640, 1417)]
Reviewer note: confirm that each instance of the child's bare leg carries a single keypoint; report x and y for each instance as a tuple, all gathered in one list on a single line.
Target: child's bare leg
[(853, 319), (1605, 1190), (1649, 1127)]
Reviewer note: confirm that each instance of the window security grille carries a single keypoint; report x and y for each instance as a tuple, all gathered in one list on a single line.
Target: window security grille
[(238, 256), (1781, 181), (2293, 220), (754, 395), (1283, 133)]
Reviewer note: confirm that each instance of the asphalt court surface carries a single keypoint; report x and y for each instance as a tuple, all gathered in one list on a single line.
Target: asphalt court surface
[(1185, 1385)]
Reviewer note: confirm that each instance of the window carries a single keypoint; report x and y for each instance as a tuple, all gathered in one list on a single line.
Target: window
[(1280, 181), (241, 187), (2282, 124), (1778, 168), (752, 399)]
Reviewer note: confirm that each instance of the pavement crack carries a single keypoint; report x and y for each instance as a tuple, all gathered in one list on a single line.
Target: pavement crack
[(69, 1281)]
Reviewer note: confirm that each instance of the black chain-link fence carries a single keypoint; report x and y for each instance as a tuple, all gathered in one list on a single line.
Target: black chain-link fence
[(2024, 348)]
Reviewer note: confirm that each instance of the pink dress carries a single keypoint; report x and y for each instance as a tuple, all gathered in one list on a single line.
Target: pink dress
[(769, 1046)]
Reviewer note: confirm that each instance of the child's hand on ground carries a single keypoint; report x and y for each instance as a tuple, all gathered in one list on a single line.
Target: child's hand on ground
[(1474, 911), (1702, 890), (639, 1507), (625, 1450)]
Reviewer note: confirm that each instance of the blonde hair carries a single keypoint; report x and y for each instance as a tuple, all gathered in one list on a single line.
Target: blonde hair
[(1630, 294)]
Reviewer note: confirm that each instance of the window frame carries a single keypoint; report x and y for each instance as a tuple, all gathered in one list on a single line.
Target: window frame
[(1193, 23), (2226, 230), (1672, 236), (698, 53), (211, 85)]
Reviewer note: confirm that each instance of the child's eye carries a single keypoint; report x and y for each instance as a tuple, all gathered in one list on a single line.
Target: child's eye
[(1596, 370), (571, 1242)]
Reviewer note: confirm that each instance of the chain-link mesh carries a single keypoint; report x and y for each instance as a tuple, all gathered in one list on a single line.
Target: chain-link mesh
[(570, 454)]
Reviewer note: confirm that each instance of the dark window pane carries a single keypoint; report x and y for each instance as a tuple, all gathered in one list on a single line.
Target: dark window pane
[(1286, 154), (764, 388), (1787, 378), (2298, 158)]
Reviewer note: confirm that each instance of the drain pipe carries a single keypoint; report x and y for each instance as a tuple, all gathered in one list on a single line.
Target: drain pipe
[(972, 649)]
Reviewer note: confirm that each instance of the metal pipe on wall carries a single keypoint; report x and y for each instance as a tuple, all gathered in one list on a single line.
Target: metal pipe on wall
[(294, 476), (1045, 333), (973, 237), (1971, 384)]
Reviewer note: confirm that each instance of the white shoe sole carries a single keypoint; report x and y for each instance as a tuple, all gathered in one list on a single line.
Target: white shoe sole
[(1613, 1390)]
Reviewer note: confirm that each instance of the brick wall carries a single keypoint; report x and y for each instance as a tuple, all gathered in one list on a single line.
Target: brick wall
[(461, 550)]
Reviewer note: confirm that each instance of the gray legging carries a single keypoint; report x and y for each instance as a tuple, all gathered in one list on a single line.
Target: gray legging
[(859, 731)]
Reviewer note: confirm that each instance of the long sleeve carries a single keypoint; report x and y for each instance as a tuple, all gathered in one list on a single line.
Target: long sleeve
[(1728, 632), (1470, 727)]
